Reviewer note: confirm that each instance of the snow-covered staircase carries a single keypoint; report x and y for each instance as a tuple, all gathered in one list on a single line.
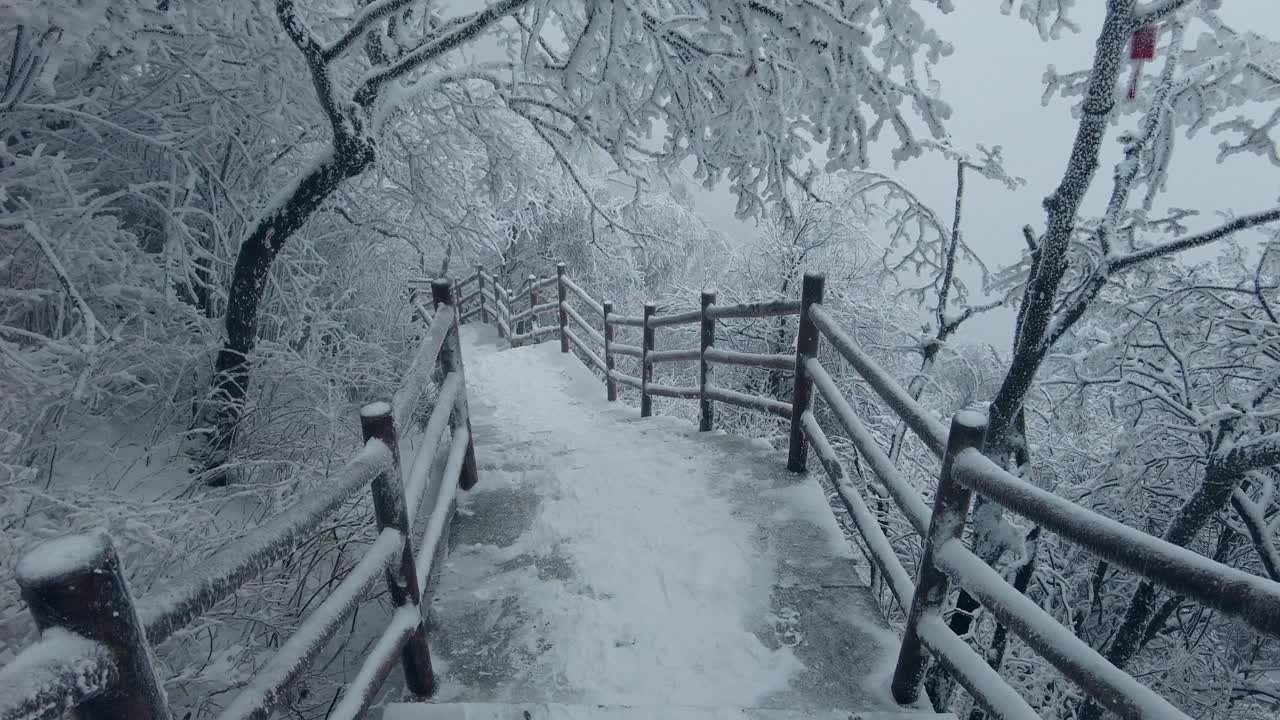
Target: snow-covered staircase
[(609, 567)]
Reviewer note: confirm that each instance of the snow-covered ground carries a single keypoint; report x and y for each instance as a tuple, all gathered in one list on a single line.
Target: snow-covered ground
[(605, 559)]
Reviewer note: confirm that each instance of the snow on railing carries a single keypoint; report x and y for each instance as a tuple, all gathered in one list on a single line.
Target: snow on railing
[(663, 356), (61, 670), (94, 653), (759, 360), (1252, 599), (521, 326), (270, 682), (222, 574), (924, 425)]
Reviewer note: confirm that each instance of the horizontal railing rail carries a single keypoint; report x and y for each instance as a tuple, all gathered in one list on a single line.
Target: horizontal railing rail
[(94, 654), (946, 560)]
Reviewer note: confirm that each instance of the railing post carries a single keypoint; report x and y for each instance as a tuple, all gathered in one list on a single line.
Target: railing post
[(950, 509), (390, 511), (500, 314), (511, 298), (533, 301), (611, 385), (563, 297), (451, 361), (706, 409), (484, 316), (455, 292), (806, 346), (75, 583), (646, 367)]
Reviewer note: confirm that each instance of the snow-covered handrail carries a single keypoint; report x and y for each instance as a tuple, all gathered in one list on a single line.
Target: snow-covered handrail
[(534, 335), (544, 308), (759, 360), (582, 323), (379, 661), (684, 318), (754, 310), (1244, 596), (664, 356), (535, 310), (269, 683), (921, 422), (56, 673), (628, 320), (95, 652), (406, 397), (908, 500), (585, 349), (442, 510), (750, 402), (705, 393), (207, 584), (880, 551), (416, 480), (582, 295), (628, 380), (672, 391)]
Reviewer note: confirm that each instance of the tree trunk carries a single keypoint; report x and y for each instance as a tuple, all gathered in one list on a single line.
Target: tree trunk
[(1005, 445), (225, 404)]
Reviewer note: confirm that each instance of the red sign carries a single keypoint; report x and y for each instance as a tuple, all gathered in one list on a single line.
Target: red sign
[(1143, 46)]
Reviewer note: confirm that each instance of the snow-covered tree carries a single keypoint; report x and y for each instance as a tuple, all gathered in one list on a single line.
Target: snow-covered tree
[(1087, 264), (726, 80)]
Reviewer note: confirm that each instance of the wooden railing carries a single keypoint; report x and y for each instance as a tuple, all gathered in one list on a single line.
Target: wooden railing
[(1250, 599), (94, 654)]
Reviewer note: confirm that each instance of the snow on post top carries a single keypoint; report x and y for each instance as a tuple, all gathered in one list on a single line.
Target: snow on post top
[(971, 418), (376, 409), (62, 556)]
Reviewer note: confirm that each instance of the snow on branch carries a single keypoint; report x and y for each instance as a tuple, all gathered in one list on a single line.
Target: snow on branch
[(363, 20), (1258, 453), (317, 65), (1253, 514), (1225, 230), (459, 34), (1158, 10)]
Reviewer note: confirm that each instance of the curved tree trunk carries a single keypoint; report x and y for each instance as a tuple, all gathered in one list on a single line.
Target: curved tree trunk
[(224, 405)]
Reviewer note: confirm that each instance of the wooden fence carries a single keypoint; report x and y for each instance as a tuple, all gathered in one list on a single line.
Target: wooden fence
[(94, 654), (947, 561)]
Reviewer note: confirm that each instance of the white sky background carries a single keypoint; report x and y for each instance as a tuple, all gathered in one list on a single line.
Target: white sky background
[(993, 83)]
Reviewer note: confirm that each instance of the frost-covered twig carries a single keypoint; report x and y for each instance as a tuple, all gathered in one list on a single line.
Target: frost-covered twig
[(1252, 514)]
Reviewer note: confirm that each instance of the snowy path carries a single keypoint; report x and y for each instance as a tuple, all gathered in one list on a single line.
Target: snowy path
[(605, 559)]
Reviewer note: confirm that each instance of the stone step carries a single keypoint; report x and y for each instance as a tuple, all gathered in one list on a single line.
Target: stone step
[(555, 711)]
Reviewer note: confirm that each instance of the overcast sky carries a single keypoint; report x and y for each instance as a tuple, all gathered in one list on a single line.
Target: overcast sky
[(993, 82)]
